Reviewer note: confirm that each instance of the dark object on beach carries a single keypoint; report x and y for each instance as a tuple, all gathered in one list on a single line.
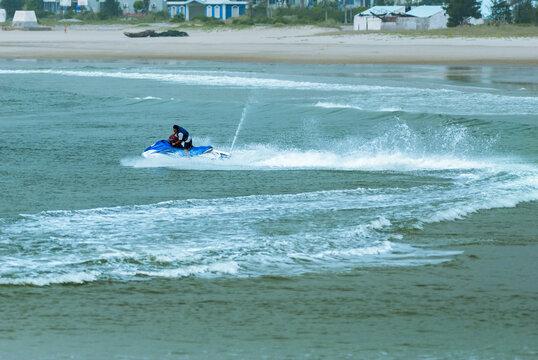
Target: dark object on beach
[(172, 33), (153, 33), (140, 34)]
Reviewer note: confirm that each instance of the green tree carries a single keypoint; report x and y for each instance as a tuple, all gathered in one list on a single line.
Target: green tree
[(524, 12), (35, 5), (138, 6), (459, 10), (110, 9), (385, 2), (432, 2), (501, 12), (11, 6)]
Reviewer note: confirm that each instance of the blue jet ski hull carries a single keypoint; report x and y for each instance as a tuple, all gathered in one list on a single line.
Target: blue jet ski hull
[(163, 147)]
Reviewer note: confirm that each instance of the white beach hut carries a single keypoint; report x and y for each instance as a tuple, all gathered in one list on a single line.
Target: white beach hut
[(2, 15), (377, 17), (424, 18), (24, 19)]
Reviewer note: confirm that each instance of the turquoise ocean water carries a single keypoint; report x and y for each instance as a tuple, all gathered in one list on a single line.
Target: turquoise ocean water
[(367, 211)]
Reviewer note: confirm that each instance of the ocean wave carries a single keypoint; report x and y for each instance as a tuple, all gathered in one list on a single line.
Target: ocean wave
[(203, 78), (211, 79), (148, 98), (329, 105), (51, 278), (332, 229), (445, 101), (231, 79), (467, 104)]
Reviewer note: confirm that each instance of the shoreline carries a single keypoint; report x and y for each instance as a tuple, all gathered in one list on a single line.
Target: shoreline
[(301, 45)]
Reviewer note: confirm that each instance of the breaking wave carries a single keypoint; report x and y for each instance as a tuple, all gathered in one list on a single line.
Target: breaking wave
[(332, 229)]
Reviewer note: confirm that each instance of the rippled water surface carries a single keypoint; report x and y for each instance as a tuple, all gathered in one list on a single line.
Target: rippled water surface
[(335, 171)]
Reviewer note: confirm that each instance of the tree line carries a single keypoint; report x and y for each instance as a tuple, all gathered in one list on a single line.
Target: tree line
[(502, 11)]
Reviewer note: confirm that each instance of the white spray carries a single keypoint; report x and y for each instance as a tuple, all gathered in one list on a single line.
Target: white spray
[(243, 116)]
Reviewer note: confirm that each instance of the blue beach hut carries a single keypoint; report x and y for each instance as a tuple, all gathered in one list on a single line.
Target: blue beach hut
[(218, 9)]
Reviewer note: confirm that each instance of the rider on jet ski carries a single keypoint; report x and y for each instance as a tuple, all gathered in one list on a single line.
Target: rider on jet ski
[(181, 139)]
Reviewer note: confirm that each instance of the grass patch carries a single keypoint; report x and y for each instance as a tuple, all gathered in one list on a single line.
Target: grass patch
[(479, 31)]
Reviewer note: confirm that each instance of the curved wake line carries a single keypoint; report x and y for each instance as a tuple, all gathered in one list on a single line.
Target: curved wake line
[(215, 79), (132, 242), (211, 79), (329, 105), (188, 78), (479, 106), (508, 194)]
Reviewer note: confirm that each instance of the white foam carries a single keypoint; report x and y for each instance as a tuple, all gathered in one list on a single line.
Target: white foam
[(329, 105), (468, 176), (128, 242), (380, 223), (400, 148), (478, 102), (207, 79), (52, 278), (384, 248), (148, 98), (228, 268), (256, 157), (462, 209), (390, 109)]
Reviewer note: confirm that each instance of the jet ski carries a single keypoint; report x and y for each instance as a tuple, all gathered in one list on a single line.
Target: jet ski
[(163, 147)]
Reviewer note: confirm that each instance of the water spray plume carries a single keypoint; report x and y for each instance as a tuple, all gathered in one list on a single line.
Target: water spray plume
[(243, 116)]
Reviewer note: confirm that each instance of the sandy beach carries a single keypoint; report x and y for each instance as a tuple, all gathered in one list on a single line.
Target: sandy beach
[(265, 44)]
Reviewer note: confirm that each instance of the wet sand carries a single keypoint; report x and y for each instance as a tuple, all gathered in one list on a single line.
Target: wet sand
[(265, 44)]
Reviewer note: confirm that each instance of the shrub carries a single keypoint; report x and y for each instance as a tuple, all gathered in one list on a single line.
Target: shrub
[(313, 15), (208, 20), (242, 20), (157, 16), (87, 16), (179, 18)]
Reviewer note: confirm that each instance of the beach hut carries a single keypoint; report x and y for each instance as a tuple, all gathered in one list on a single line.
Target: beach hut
[(377, 18), (218, 9), (24, 19), (2, 15), (424, 18)]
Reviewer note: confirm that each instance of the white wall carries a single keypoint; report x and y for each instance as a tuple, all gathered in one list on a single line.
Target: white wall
[(362, 23), (359, 22), (24, 19), (437, 21), (407, 23)]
